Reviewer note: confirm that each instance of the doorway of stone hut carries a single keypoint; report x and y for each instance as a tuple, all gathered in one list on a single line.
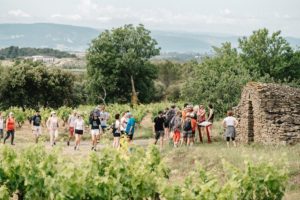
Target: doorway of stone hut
[(250, 122)]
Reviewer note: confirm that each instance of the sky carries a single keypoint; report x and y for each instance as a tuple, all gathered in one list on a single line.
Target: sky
[(235, 17)]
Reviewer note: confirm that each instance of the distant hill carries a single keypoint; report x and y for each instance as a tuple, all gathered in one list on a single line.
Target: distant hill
[(16, 52), (75, 38)]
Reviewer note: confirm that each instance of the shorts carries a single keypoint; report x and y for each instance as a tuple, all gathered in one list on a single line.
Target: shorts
[(79, 132), (37, 130), (1, 131), (53, 133), (159, 134), (103, 128), (228, 139), (176, 136), (95, 132), (186, 134), (116, 134), (71, 131)]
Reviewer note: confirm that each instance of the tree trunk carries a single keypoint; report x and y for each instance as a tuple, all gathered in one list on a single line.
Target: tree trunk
[(134, 95)]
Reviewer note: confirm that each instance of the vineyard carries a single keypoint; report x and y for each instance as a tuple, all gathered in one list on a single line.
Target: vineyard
[(128, 174), (64, 112)]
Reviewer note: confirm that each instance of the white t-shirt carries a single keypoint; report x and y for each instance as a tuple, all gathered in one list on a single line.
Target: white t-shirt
[(71, 120), (123, 123), (117, 126), (79, 124), (1, 123), (53, 123), (230, 121), (103, 118)]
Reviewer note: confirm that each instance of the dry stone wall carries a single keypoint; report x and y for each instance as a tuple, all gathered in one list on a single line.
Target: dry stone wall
[(269, 113)]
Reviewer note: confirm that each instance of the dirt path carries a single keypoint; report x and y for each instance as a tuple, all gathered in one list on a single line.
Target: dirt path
[(147, 121)]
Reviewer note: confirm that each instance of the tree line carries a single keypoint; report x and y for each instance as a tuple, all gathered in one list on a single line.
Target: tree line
[(13, 52)]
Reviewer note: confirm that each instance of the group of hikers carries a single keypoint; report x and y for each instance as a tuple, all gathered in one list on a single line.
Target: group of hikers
[(180, 126), (177, 126)]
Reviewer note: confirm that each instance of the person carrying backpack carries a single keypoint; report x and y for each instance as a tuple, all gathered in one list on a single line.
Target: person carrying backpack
[(169, 116), (187, 129), (176, 128), (36, 125)]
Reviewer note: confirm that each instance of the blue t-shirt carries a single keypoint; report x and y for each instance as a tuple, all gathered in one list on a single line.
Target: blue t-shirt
[(130, 123)]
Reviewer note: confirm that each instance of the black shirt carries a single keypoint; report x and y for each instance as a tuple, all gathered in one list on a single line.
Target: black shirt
[(95, 123), (159, 123), (36, 120)]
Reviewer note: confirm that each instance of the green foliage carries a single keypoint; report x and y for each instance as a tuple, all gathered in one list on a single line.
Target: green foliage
[(32, 85), (270, 55), (217, 80), (116, 55), (260, 182), (16, 52), (35, 173)]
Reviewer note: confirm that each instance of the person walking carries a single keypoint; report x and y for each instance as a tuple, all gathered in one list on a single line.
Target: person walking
[(36, 125), (1, 126), (71, 123), (79, 129), (104, 117), (176, 126), (10, 128), (230, 123), (159, 128), (95, 130), (187, 132), (169, 116), (130, 127), (52, 125), (117, 131)]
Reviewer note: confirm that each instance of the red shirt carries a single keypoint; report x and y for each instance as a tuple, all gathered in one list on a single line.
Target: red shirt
[(10, 124), (194, 124)]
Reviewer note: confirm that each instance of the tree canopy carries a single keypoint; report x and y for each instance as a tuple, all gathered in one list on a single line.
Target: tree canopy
[(117, 55), (31, 85)]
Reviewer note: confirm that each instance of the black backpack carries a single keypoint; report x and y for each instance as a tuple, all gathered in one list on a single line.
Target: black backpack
[(170, 114), (187, 126)]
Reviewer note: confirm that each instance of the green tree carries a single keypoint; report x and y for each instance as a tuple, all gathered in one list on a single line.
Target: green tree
[(117, 55), (217, 80), (29, 85), (270, 55)]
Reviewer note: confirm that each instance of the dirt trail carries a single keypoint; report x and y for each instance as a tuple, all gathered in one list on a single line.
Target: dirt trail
[(147, 121)]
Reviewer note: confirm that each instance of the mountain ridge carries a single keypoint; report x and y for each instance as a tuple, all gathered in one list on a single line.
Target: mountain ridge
[(77, 38)]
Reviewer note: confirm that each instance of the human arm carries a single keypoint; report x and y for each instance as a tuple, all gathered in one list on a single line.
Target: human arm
[(235, 123)]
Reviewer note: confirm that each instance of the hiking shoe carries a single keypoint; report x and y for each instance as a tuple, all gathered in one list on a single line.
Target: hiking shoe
[(93, 148), (68, 143)]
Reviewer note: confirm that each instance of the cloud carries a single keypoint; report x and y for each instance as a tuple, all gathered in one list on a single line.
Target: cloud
[(18, 13), (225, 11), (73, 17)]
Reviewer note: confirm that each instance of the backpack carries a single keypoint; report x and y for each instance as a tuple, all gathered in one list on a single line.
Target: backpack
[(170, 115), (187, 126)]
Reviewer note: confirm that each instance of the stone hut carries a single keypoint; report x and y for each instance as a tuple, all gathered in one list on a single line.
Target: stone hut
[(268, 113)]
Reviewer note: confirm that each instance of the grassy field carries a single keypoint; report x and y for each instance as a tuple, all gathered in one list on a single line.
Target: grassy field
[(183, 160)]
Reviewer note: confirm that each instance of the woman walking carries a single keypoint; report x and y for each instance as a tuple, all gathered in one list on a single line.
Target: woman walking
[(52, 125), (95, 129), (230, 123), (201, 118), (10, 128), (79, 128), (176, 123), (117, 132)]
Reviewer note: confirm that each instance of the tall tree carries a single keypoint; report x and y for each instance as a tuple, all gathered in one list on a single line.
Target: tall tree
[(269, 55), (118, 56)]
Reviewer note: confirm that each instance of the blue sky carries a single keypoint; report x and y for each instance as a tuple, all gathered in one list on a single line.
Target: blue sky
[(238, 17)]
